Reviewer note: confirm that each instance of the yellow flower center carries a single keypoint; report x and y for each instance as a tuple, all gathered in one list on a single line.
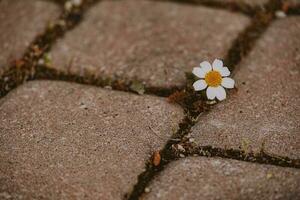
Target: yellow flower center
[(213, 78)]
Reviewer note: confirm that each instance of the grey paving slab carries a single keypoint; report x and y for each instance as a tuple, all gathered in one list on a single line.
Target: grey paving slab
[(154, 42), (20, 22), (67, 141), (214, 178), (265, 111)]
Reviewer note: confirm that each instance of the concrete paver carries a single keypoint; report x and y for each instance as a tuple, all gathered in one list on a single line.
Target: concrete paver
[(247, 2), (265, 112), (62, 140), (67, 141), (20, 23), (154, 42), (214, 178)]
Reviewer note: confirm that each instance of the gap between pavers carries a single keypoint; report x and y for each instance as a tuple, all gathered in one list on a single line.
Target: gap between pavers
[(154, 42), (65, 140), (20, 22), (264, 113)]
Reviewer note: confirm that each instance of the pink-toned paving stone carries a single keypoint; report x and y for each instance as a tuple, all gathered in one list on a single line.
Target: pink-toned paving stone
[(20, 23), (294, 2), (214, 178), (67, 141), (154, 42), (246, 2), (256, 3), (264, 114)]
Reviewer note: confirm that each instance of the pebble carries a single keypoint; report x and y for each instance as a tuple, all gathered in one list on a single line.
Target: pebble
[(147, 190), (180, 148), (280, 14), (41, 61), (192, 140)]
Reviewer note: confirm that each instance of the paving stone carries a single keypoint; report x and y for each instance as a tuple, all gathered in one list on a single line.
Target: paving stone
[(154, 42), (247, 2), (294, 2), (210, 178), (213, 178), (20, 23), (265, 112), (253, 3), (67, 141)]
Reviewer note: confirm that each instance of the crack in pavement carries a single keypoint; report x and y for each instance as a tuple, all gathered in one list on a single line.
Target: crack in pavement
[(236, 154), (45, 73), (239, 49), (24, 68), (27, 68)]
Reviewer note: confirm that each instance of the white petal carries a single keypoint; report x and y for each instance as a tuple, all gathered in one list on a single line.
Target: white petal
[(210, 93), (199, 72), (227, 83), (224, 71), (206, 66), (220, 93), (217, 64), (199, 85)]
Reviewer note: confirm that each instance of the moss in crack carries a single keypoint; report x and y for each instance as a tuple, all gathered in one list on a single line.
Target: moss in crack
[(260, 157)]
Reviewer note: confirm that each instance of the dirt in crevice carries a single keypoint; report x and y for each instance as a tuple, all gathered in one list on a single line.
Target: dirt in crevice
[(119, 84), (27, 68), (24, 68), (236, 154), (195, 104)]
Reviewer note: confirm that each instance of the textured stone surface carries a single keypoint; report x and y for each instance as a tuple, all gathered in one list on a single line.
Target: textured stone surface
[(255, 2), (265, 112), (247, 2), (155, 42), (67, 141), (294, 2), (211, 178), (20, 23)]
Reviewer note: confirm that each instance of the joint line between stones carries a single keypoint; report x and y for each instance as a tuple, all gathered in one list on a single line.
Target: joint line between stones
[(239, 49), (24, 68)]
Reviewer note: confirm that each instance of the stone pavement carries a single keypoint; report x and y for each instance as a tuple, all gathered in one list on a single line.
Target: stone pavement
[(16, 37), (265, 113), (79, 141), (67, 134), (214, 178), (140, 43)]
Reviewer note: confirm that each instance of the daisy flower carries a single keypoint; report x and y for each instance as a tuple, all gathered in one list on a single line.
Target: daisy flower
[(214, 78)]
